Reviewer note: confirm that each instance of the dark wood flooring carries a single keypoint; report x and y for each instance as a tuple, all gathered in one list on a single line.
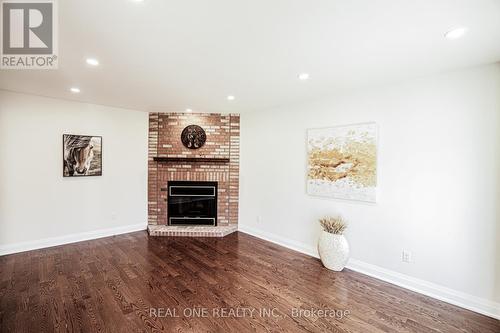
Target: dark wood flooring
[(116, 284)]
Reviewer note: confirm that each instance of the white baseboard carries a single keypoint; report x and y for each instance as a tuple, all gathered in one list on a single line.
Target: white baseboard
[(73, 238), (455, 297)]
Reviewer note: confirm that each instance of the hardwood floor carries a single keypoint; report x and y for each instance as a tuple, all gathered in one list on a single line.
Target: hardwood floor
[(118, 284)]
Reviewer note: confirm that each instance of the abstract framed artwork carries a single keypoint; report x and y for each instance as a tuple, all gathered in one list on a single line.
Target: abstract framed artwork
[(342, 162), (82, 155)]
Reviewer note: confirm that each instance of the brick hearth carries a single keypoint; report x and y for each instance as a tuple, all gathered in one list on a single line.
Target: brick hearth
[(198, 231), (217, 160)]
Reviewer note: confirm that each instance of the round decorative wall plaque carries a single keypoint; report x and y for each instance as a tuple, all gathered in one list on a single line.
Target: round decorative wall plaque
[(193, 137)]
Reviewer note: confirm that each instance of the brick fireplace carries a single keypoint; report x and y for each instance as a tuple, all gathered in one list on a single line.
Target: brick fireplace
[(217, 161)]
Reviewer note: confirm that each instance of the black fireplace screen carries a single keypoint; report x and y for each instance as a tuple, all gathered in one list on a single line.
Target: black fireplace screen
[(192, 203)]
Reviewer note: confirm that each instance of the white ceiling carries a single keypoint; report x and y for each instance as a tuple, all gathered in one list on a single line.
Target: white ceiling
[(172, 55)]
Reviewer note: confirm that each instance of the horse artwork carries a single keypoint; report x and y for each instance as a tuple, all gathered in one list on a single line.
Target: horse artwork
[(82, 155)]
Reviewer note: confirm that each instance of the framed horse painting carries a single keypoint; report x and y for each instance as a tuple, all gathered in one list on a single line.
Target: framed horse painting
[(82, 155)]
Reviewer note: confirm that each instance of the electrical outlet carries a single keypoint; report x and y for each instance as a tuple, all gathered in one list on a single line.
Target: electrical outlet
[(259, 219), (113, 216), (406, 256)]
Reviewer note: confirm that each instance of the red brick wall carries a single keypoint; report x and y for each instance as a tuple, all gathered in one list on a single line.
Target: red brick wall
[(223, 141)]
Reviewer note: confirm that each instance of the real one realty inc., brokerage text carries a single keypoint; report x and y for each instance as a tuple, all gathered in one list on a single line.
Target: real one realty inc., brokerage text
[(243, 312)]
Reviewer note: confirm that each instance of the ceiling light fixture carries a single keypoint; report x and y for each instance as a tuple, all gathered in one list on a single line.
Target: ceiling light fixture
[(230, 98), (75, 90), (92, 62), (189, 110), (455, 33), (303, 76)]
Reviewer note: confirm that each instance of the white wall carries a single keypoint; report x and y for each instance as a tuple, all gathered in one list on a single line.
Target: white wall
[(38, 207), (438, 182)]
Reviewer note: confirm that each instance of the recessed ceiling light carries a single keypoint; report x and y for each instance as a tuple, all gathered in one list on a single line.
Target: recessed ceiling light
[(455, 33), (189, 110), (230, 98), (75, 90), (92, 62), (303, 76)]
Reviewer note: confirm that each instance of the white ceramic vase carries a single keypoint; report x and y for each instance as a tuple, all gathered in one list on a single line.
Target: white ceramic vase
[(333, 250)]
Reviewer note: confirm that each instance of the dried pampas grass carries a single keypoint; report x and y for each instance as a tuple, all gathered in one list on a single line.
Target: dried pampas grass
[(334, 225)]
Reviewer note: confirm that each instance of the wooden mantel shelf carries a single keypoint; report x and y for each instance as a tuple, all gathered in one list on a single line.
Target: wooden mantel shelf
[(192, 159)]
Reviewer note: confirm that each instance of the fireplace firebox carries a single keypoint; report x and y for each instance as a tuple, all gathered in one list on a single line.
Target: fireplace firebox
[(192, 203)]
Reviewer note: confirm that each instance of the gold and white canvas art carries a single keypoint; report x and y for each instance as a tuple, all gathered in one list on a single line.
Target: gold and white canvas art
[(342, 162)]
